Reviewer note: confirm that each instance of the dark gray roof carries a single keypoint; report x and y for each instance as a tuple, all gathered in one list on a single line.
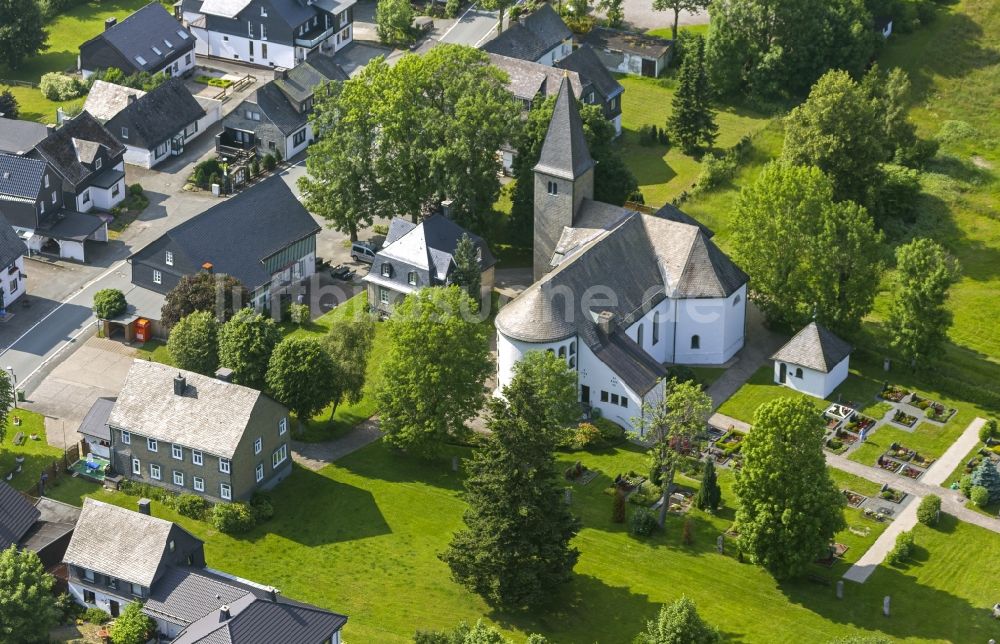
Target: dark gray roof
[(161, 113), (636, 368), (11, 245), (531, 36), (275, 106), (253, 619), (630, 42), (149, 27), (20, 177), (237, 234), (108, 178), (814, 347), (69, 225), (299, 82), (95, 423), (564, 152), (183, 595), (585, 62), (56, 520), (673, 213), (528, 79), (17, 515), (19, 137), (75, 143)]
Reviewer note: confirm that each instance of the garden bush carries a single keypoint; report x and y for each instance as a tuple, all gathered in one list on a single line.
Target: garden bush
[(452, 7), (57, 86), (299, 314), (94, 615), (988, 431), (232, 518), (191, 505), (109, 303), (682, 373), (586, 436), (716, 170), (927, 511), (203, 172), (380, 229), (268, 162), (642, 523), (611, 432), (254, 167), (965, 486), (135, 189), (261, 507), (902, 550), (648, 135), (979, 496)]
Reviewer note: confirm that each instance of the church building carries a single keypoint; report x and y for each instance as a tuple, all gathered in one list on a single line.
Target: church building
[(620, 295)]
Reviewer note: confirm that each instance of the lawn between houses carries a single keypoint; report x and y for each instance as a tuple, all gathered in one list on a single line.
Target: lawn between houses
[(38, 454), (362, 537)]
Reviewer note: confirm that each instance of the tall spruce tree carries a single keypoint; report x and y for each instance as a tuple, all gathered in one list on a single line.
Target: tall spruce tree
[(709, 493), (691, 124), (515, 551)]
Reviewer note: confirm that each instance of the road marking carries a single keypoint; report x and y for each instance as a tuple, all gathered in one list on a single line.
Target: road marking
[(114, 267), (84, 329), (486, 37), (472, 7)]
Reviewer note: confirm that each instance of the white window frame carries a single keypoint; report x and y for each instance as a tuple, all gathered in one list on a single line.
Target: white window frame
[(154, 472), (282, 425), (260, 472), (199, 484), (177, 452), (383, 295), (152, 445), (136, 467), (225, 466), (226, 491), (196, 457), (157, 277), (279, 456), (258, 445), (126, 438), (168, 258), (124, 132), (179, 476)]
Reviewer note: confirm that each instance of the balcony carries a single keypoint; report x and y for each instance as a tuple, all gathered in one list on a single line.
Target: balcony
[(315, 36)]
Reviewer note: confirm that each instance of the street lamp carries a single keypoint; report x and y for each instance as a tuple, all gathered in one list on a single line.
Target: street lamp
[(13, 383)]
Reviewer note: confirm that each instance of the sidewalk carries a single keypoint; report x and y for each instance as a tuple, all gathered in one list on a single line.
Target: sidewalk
[(866, 565), (316, 456), (942, 468), (759, 346)]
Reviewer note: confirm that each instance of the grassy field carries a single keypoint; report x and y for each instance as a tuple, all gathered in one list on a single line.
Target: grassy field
[(367, 544), (38, 454)]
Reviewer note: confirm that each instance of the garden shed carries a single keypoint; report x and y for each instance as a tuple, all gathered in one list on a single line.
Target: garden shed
[(814, 361)]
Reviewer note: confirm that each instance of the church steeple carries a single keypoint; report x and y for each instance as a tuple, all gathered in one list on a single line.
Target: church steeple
[(564, 177)]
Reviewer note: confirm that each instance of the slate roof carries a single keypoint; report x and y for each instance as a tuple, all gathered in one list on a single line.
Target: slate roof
[(118, 542), (275, 106), (20, 177), (673, 213), (75, 143), (585, 62), (814, 347), (630, 42), (11, 244), (95, 423), (564, 151), (55, 521), (626, 359), (17, 516), (161, 113), (151, 26), (528, 79), (69, 225), (299, 82), (19, 137), (105, 100), (212, 415), (253, 619), (237, 234), (531, 36), (184, 595)]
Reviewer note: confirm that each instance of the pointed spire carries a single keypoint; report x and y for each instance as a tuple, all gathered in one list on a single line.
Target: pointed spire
[(564, 152)]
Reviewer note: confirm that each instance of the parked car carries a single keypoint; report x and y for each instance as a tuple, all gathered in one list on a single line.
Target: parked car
[(363, 252)]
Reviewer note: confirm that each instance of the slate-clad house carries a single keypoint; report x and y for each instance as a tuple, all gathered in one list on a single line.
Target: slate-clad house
[(539, 37), (94, 427), (43, 526), (620, 295), (118, 556), (191, 433), (150, 40), (599, 86), (814, 361), (31, 199), (268, 33), (21, 137), (263, 237), (415, 256), (89, 160), (276, 117), (13, 281), (157, 124)]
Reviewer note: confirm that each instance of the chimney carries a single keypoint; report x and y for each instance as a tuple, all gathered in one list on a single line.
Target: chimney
[(606, 322), (522, 18), (130, 99), (225, 374), (109, 23), (144, 507), (272, 594), (207, 267), (446, 206), (180, 384), (224, 613)]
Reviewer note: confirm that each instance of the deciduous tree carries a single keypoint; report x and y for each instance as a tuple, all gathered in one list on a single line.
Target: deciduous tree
[(889, 92), (918, 320), (480, 633), (614, 10), (423, 399), (515, 548), (678, 623), (394, 22), (133, 626), (677, 6), (691, 123), (28, 609), (246, 343), (789, 509), (22, 32), (108, 303), (194, 343), (467, 273), (349, 343), (299, 375), (222, 295)]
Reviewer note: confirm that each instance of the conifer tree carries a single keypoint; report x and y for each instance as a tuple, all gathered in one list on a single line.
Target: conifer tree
[(467, 274), (691, 124), (709, 493)]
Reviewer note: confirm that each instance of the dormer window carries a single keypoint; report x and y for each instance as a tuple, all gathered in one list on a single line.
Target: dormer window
[(168, 258), (386, 270), (97, 163)]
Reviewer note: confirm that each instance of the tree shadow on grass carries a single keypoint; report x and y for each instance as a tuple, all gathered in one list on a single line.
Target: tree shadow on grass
[(314, 510), (379, 461)]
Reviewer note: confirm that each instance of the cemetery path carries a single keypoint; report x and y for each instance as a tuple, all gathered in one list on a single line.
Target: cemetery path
[(316, 456), (942, 468)]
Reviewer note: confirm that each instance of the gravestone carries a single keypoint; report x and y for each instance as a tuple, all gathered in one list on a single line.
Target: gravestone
[(840, 589), (885, 606), (720, 544), (454, 463), (569, 496)]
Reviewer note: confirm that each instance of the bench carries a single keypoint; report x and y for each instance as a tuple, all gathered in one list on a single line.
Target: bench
[(19, 438)]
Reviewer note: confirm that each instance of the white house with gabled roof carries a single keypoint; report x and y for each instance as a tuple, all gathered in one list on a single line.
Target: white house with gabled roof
[(814, 361)]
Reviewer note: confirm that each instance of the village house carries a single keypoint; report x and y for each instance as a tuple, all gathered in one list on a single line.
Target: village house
[(539, 37), (89, 161), (150, 40), (20, 137), (814, 361), (13, 281), (43, 526), (275, 119), (263, 237), (32, 201), (416, 256), (268, 33), (119, 556), (628, 52), (600, 87), (619, 295)]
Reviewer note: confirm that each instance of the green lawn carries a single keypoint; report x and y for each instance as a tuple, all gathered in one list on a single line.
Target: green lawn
[(37, 454), (367, 541), (66, 32), (156, 351)]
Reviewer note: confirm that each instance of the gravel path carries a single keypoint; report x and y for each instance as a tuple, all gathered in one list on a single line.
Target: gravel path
[(316, 456)]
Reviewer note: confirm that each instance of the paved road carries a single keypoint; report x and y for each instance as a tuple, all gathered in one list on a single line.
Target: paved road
[(473, 28)]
